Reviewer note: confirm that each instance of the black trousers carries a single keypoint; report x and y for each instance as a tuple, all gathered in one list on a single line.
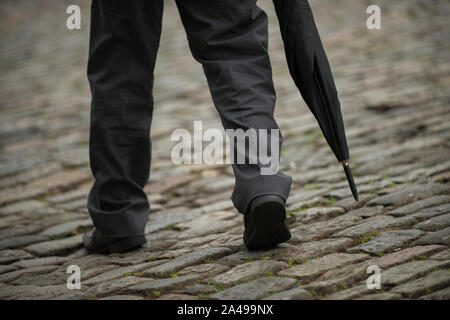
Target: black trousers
[(229, 39)]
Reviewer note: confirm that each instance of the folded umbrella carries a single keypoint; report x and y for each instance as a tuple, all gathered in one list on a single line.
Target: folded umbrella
[(310, 70)]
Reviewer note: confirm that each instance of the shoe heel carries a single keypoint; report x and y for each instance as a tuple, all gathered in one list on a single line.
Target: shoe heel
[(269, 220), (127, 244)]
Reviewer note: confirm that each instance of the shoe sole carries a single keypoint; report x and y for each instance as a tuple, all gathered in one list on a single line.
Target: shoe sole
[(269, 224), (125, 245)]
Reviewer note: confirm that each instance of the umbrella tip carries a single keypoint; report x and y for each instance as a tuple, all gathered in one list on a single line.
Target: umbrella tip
[(350, 180)]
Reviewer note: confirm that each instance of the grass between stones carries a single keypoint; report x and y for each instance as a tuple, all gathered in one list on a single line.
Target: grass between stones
[(219, 286), (331, 200), (365, 237), (131, 274)]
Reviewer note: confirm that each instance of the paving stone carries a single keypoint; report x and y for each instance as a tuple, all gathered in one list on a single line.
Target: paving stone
[(68, 228), (432, 212), (22, 206), (74, 205), (171, 254), (89, 261), (366, 187), (162, 220), (248, 271), (42, 279), (9, 255), (19, 193), (177, 296), (7, 268), (378, 223), (409, 195), (69, 195), (348, 294), (405, 255), (234, 242), (407, 271), (345, 277), (149, 287), (313, 268), (73, 295), (418, 205), (7, 291), (302, 195), (21, 241), (443, 294), (41, 292), (56, 247), (441, 178), (39, 262), (113, 286), (95, 271), (197, 289), (204, 225), (30, 292), (134, 257), (433, 281), (291, 294), (305, 204), (443, 255), (309, 250), (194, 242), (321, 229), (35, 173), (10, 276), (349, 203), (186, 260), (339, 279), (254, 289), (61, 180), (204, 270), (6, 222), (437, 237), (387, 241), (218, 206), (17, 231), (434, 224), (367, 212), (171, 182), (120, 272), (122, 297), (381, 296), (314, 214)]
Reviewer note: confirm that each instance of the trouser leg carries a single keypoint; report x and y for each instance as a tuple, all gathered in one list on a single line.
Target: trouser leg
[(229, 39), (124, 40)]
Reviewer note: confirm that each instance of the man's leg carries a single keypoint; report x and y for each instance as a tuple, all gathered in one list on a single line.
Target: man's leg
[(124, 42), (229, 38)]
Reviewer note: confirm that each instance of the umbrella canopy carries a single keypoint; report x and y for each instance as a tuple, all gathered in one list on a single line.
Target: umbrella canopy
[(311, 72)]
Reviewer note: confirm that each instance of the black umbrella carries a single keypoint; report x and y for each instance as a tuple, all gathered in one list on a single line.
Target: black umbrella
[(309, 67)]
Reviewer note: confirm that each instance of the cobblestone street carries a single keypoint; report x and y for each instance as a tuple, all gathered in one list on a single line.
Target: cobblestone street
[(394, 89)]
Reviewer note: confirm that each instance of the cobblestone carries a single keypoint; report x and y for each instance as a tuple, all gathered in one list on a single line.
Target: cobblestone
[(393, 85), (388, 240), (254, 289), (438, 237)]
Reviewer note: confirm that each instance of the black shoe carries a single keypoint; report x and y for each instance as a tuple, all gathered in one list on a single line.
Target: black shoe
[(95, 242), (265, 224)]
